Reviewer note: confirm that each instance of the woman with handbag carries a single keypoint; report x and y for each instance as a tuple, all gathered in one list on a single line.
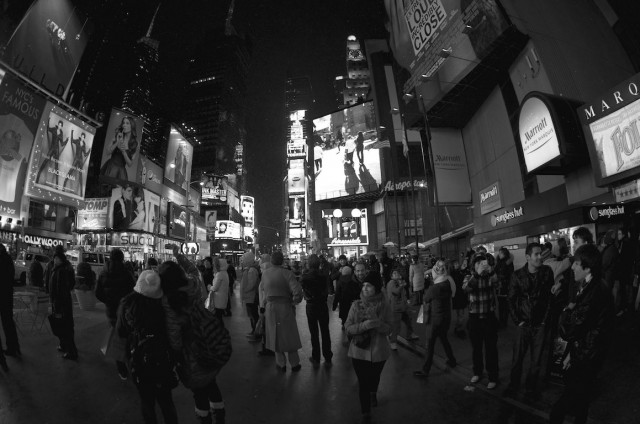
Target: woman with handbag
[(368, 324)]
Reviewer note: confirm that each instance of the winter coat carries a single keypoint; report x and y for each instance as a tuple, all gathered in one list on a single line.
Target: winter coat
[(610, 269), (397, 295), (530, 296), (588, 326), (7, 271), (347, 291), (114, 283), (437, 300), (374, 307), (249, 284), (282, 292), (207, 276), (61, 281), (416, 276), (220, 287), (314, 287), (36, 274), (504, 271)]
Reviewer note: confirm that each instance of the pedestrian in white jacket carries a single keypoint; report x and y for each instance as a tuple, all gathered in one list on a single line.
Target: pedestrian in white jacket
[(219, 288)]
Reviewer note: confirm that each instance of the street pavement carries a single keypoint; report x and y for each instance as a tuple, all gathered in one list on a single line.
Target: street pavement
[(43, 388)]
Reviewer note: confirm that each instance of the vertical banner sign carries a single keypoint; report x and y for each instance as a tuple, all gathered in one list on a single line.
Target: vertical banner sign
[(120, 156), (48, 44), (177, 169), (247, 211), (60, 159), (450, 166), (177, 221), (20, 113), (94, 215), (211, 224)]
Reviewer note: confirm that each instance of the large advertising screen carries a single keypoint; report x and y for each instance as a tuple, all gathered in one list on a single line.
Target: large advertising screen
[(347, 230), (20, 113), (211, 224), (297, 211), (228, 230), (349, 162), (296, 176), (60, 159), (177, 169), (214, 188), (420, 30), (177, 221), (94, 215), (120, 156), (48, 43), (133, 208), (247, 204)]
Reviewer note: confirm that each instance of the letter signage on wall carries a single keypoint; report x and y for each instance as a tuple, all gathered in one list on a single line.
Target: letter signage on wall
[(538, 135), (490, 198), (610, 123), (604, 213), (94, 215)]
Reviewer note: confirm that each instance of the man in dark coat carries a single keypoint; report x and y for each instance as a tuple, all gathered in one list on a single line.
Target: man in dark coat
[(315, 291), (7, 273), (36, 274), (61, 281), (231, 271)]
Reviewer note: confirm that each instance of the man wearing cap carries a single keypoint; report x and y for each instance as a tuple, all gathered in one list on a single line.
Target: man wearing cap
[(530, 297)]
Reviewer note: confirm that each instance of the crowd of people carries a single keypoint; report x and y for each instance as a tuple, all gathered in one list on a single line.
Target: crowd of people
[(167, 323)]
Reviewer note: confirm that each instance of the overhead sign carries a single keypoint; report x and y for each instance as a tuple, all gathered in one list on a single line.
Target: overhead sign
[(121, 152), (351, 241), (450, 166), (132, 239), (405, 185), (506, 216), (490, 198), (190, 248), (604, 212), (177, 169), (627, 191), (538, 135), (228, 230), (41, 241), (94, 215)]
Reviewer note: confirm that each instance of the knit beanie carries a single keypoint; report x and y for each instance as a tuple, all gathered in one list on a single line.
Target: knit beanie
[(375, 280), (148, 285), (248, 259)]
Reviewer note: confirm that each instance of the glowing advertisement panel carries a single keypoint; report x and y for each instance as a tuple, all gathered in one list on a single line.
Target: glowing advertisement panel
[(121, 153), (349, 162), (48, 44), (20, 113), (177, 169), (348, 230), (247, 211), (133, 208), (214, 188), (60, 158), (296, 176), (94, 215), (228, 230), (297, 210)]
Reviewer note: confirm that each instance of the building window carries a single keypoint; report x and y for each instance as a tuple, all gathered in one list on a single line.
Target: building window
[(42, 216)]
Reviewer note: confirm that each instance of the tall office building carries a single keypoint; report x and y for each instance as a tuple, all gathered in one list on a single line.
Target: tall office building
[(357, 82)]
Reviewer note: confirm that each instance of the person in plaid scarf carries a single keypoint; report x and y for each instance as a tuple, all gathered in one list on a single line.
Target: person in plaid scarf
[(483, 325)]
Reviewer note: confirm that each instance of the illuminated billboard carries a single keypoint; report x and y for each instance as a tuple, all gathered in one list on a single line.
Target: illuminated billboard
[(214, 189), (177, 169), (348, 229), (120, 156), (247, 211), (133, 208), (296, 176), (149, 175), (20, 113), (349, 158), (297, 211), (60, 159), (48, 43), (228, 230), (177, 221), (94, 215), (296, 145)]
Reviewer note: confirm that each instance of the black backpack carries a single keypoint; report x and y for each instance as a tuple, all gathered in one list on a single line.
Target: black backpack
[(208, 340), (152, 360)]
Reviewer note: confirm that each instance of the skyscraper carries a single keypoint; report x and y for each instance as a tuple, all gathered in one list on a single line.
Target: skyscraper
[(357, 83)]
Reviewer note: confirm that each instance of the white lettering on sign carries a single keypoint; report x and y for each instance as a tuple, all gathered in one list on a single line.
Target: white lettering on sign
[(506, 216), (349, 241), (425, 19), (489, 194), (538, 136), (136, 240), (404, 185), (42, 241)]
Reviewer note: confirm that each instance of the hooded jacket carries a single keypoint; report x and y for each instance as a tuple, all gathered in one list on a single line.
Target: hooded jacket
[(250, 279), (220, 286)]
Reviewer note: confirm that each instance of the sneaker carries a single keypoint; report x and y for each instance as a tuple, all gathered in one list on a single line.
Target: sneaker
[(394, 346), (475, 379), (492, 385)]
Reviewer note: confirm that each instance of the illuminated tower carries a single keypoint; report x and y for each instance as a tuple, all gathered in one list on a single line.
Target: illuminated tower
[(357, 82)]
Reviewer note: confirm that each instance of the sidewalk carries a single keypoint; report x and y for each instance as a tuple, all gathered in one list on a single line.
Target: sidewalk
[(616, 395)]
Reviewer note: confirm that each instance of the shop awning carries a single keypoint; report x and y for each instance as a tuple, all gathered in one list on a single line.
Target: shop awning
[(450, 234)]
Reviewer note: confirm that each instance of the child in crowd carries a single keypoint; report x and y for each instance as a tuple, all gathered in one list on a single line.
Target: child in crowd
[(397, 296)]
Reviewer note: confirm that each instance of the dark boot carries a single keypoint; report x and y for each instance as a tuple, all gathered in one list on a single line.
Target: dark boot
[(219, 416)]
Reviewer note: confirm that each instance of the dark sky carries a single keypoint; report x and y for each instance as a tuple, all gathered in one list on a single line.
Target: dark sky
[(302, 38)]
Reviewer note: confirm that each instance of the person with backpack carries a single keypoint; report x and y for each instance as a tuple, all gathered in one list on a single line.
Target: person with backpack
[(249, 291), (141, 321), (198, 337)]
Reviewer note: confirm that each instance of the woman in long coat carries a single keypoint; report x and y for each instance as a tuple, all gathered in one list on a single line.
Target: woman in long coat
[(281, 291)]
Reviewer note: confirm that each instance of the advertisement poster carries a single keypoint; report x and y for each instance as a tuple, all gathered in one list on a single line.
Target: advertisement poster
[(450, 163), (121, 153), (211, 224), (20, 112), (177, 221), (349, 162), (94, 215), (48, 43), (133, 208), (214, 188), (228, 230), (177, 169), (149, 175), (351, 231), (60, 159), (538, 136), (296, 176), (247, 211), (296, 209)]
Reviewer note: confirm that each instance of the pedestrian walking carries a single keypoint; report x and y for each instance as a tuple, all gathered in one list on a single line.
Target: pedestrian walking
[(282, 292), (460, 299), (36, 274), (437, 317), (586, 325), (265, 262), (231, 271), (483, 324), (347, 291), (114, 283), (530, 297), (219, 288), (397, 297), (627, 250), (504, 271), (7, 272), (196, 335), (141, 321), (315, 291), (249, 291), (367, 326), (416, 278), (60, 283)]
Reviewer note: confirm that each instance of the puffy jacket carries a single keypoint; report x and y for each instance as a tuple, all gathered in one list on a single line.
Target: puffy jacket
[(220, 286), (314, 287), (114, 283), (375, 307), (530, 295), (588, 326), (439, 296)]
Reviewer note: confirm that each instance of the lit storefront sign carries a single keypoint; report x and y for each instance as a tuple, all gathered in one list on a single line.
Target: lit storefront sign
[(538, 135), (42, 241), (132, 240), (490, 198), (346, 227)]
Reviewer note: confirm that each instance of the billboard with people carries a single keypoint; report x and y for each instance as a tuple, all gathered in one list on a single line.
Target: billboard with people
[(346, 152), (177, 169), (132, 207), (60, 159), (120, 155)]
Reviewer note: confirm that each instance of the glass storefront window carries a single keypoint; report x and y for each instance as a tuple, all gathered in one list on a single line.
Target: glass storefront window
[(564, 233), (42, 216)]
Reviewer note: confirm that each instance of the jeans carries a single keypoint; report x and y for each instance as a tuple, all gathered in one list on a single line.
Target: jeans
[(438, 332), (8, 324), (368, 374), (576, 396), (318, 316), (206, 396), (531, 339), (252, 310), (149, 394), (396, 325), (483, 333)]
